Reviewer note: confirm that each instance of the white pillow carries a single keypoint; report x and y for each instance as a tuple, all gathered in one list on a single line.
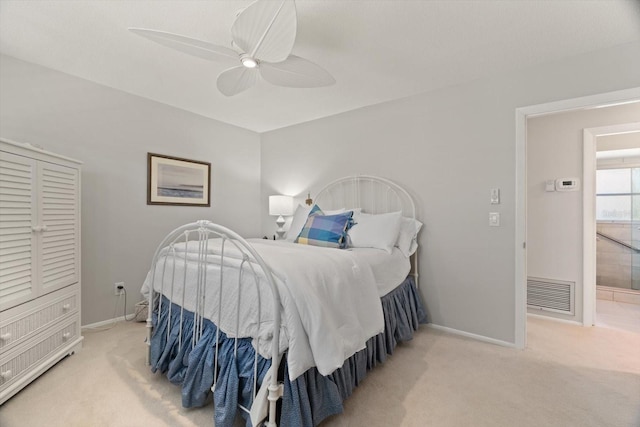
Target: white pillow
[(333, 212), (298, 222), (409, 229), (375, 231)]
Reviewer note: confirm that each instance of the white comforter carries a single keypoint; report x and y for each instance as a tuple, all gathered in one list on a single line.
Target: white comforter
[(330, 303)]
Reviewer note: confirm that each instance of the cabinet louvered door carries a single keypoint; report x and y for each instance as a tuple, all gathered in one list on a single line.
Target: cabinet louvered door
[(39, 262), (17, 239), (58, 219)]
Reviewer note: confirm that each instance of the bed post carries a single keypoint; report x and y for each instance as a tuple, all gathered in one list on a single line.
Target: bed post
[(415, 267), (149, 319), (149, 328), (276, 389)]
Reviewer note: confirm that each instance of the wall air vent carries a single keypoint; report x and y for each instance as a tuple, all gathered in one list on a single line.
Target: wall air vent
[(551, 295)]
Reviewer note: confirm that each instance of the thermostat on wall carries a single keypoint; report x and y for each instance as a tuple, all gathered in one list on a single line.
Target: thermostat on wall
[(567, 184)]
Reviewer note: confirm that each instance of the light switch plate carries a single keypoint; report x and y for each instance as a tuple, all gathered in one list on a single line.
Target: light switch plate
[(494, 219), (495, 196)]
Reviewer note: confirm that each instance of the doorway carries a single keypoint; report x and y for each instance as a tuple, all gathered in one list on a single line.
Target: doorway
[(587, 294)]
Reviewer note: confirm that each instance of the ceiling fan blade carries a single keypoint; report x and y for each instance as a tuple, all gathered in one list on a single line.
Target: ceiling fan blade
[(236, 79), (296, 72), (188, 45), (266, 29)]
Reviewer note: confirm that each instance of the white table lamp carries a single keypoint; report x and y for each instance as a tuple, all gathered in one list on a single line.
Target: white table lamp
[(280, 206)]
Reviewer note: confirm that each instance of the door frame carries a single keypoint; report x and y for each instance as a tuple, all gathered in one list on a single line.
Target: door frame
[(522, 114)]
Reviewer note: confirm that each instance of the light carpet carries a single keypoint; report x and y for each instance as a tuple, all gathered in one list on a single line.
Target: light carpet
[(567, 376)]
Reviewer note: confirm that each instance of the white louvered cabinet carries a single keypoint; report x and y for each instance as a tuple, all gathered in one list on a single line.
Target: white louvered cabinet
[(39, 263)]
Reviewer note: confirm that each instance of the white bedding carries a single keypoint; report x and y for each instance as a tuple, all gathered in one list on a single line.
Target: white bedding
[(330, 305), (389, 270)]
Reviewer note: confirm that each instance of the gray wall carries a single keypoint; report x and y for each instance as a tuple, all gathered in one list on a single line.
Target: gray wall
[(554, 219), (448, 148), (111, 132)]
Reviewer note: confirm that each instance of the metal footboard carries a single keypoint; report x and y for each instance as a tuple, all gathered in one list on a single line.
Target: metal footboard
[(251, 269)]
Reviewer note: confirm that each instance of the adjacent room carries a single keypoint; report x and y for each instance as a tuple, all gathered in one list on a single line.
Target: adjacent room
[(319, 213)]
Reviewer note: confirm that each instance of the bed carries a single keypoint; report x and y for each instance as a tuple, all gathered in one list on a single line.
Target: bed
[(281, 332)]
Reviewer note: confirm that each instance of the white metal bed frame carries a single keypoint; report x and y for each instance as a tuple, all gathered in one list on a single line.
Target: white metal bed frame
[(370, 193)]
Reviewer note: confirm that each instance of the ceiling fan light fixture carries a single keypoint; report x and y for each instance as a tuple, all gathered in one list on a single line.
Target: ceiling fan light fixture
[(248, 62), (262, 35)]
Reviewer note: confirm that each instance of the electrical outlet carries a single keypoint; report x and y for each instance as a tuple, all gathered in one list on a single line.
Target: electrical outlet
[(118, 288)]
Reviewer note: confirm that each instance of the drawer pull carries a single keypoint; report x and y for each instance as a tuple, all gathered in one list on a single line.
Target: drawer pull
[(66, 336), (66, 307), (6, 375), (5, 337)]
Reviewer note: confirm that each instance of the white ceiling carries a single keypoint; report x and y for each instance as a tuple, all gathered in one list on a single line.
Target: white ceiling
[(376, 50)]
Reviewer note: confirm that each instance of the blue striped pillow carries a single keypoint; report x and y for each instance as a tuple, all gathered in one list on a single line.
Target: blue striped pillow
[(329, 231)]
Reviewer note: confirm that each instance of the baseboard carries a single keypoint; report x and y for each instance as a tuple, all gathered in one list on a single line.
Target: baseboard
[(556, 319), (103, 323), (473, 336)]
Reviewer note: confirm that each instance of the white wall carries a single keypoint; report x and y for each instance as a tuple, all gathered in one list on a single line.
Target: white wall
[(554, 219), (448, 148), (111, 132)]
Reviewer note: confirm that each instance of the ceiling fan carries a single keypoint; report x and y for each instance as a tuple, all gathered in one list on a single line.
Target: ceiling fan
[(263, 35)]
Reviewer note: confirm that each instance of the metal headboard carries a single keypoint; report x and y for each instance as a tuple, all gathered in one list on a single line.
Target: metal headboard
[(372, 194)]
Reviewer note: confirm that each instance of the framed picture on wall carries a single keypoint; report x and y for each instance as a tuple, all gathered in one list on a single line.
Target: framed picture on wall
[(178, 182)]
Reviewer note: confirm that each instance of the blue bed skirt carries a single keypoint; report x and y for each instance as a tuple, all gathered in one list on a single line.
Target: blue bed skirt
[(307, 400)]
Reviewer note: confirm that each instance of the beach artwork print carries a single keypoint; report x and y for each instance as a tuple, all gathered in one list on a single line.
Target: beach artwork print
[(177, 181)]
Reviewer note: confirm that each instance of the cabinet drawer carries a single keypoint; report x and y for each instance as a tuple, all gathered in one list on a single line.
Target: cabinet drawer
[(27, 320), (19, 364)]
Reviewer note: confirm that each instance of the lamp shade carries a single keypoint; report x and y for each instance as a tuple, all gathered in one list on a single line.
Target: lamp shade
[(280, 205)]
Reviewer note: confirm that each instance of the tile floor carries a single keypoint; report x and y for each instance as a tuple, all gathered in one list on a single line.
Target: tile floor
[(618, 315)]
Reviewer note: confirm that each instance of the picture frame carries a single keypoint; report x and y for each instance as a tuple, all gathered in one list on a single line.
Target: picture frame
[(175, 181)]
